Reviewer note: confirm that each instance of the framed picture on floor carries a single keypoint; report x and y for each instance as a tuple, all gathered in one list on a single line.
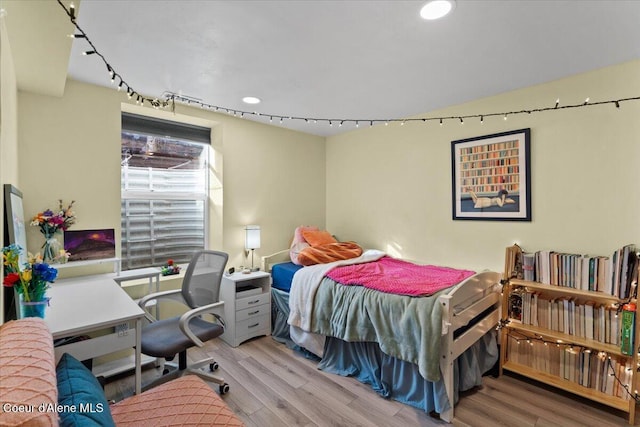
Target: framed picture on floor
[(491, 177)]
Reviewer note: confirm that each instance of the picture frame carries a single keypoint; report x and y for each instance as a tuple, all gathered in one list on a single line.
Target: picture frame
[(84, 245), (491, 177), (15, 231)]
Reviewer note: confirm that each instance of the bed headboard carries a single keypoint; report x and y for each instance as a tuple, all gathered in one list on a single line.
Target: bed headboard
[(275, 258)]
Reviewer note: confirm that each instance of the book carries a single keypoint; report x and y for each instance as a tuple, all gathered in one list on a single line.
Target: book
[(528, 266), (627, 329)]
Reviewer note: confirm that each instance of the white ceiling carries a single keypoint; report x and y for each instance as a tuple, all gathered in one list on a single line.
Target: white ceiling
[(348, 59)]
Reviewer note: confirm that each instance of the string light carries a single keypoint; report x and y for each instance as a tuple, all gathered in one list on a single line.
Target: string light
[(575, 349), (171, 98)]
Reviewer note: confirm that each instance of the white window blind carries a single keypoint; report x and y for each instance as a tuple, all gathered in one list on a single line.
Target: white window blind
[(164, 190)]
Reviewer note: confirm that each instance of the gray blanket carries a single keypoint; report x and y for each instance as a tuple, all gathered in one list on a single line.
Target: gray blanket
[(407, 328)]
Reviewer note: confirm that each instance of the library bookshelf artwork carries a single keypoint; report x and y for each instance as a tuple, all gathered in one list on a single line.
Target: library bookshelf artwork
[(491, 178), (568, 321)]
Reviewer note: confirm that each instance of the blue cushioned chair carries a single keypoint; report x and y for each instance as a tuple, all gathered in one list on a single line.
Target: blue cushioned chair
[(169, 337)]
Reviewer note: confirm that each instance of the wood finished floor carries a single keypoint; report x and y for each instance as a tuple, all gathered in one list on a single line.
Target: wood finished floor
[(274, 386)]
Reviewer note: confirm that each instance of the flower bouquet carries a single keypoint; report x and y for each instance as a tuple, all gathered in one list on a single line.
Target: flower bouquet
[(170, 268), (30, 283), (50, 223)]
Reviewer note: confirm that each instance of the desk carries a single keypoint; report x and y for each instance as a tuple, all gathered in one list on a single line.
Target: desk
[(81, 305), (151, 273)]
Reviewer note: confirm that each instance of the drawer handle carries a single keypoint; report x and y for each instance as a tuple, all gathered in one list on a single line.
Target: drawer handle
[(254, 312), (253, 326), (254, 302)]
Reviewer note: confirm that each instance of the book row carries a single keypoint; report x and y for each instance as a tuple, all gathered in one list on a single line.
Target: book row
[(590, 369), (612, 275), (586, 320), (489, 148), (468, 162), (496, 172)]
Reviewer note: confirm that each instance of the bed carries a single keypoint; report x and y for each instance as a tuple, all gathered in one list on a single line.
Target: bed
[(347, 341)]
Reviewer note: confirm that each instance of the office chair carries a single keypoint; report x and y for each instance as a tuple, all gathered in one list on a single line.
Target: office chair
[(168, 337)]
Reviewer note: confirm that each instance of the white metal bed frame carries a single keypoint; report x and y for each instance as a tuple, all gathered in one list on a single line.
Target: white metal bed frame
[(462, 304)]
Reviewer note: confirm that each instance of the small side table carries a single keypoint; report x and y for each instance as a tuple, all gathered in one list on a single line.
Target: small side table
[(247, 306)]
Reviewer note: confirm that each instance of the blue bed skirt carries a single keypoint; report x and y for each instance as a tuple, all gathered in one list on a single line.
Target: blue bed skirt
[(390, 377)]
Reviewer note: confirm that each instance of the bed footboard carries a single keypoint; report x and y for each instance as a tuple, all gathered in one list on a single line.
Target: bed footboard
[(480, 294)]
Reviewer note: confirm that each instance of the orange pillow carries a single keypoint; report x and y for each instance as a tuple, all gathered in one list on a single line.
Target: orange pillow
[(318, 237), (329, 253)]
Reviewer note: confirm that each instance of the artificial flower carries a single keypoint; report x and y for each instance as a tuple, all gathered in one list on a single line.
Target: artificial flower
[(51, 222), (32, 280)]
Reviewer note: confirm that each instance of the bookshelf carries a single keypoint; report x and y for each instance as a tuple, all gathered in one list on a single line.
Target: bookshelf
[(568, 336)]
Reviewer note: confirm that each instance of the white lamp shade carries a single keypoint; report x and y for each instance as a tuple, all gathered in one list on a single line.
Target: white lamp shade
[(252, 237)]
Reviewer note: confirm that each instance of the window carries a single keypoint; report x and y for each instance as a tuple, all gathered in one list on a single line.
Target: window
[(164, 192)]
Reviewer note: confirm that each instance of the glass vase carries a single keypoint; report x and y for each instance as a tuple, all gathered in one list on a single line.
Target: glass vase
[(50, 250), (32, 308)]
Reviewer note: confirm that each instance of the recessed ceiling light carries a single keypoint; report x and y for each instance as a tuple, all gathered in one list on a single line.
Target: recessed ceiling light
[(436, 9), (251, 100)]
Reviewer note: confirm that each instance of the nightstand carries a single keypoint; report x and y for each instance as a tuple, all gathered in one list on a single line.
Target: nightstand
[(247, 306)]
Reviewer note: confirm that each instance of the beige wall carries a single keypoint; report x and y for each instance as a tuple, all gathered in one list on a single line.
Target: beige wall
[(390, 187), (8, 111), (70, 149), (8, 126)]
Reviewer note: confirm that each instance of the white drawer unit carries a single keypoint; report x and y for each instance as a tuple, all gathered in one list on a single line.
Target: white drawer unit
[(247, 306)]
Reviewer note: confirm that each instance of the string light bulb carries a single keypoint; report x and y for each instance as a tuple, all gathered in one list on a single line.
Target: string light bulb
[(172, 98)]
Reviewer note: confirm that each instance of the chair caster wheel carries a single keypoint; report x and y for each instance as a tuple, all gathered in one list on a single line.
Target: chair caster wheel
[(213, 366), (224, 388)]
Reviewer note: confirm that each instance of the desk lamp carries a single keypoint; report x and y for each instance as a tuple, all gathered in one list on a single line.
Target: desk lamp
[(252, 241)]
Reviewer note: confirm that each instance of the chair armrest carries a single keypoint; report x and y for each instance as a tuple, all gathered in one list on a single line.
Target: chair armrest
[(175, 295), (205, 309)]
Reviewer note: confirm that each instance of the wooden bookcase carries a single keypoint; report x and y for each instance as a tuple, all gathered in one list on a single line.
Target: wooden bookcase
[(574, 360)]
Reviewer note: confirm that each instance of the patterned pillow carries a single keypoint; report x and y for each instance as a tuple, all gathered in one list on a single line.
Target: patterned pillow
[(27, 373)]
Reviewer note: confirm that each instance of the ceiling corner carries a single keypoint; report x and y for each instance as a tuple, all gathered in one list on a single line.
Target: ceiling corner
[(37, 32)]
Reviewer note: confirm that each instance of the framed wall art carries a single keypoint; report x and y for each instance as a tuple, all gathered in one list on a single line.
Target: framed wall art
[(90, 244), (491, 177), (15, 231)]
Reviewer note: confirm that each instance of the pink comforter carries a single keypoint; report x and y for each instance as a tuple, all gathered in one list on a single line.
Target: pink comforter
[(395, 276)]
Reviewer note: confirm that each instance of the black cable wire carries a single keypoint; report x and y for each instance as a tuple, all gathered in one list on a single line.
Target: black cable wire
[(171, 98), (610, 368)]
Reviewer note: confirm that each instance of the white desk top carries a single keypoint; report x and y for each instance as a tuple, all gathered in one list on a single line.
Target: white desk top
[(84, 304)]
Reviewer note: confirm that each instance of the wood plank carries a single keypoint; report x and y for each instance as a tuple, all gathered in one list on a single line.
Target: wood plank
[(260, 398)]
